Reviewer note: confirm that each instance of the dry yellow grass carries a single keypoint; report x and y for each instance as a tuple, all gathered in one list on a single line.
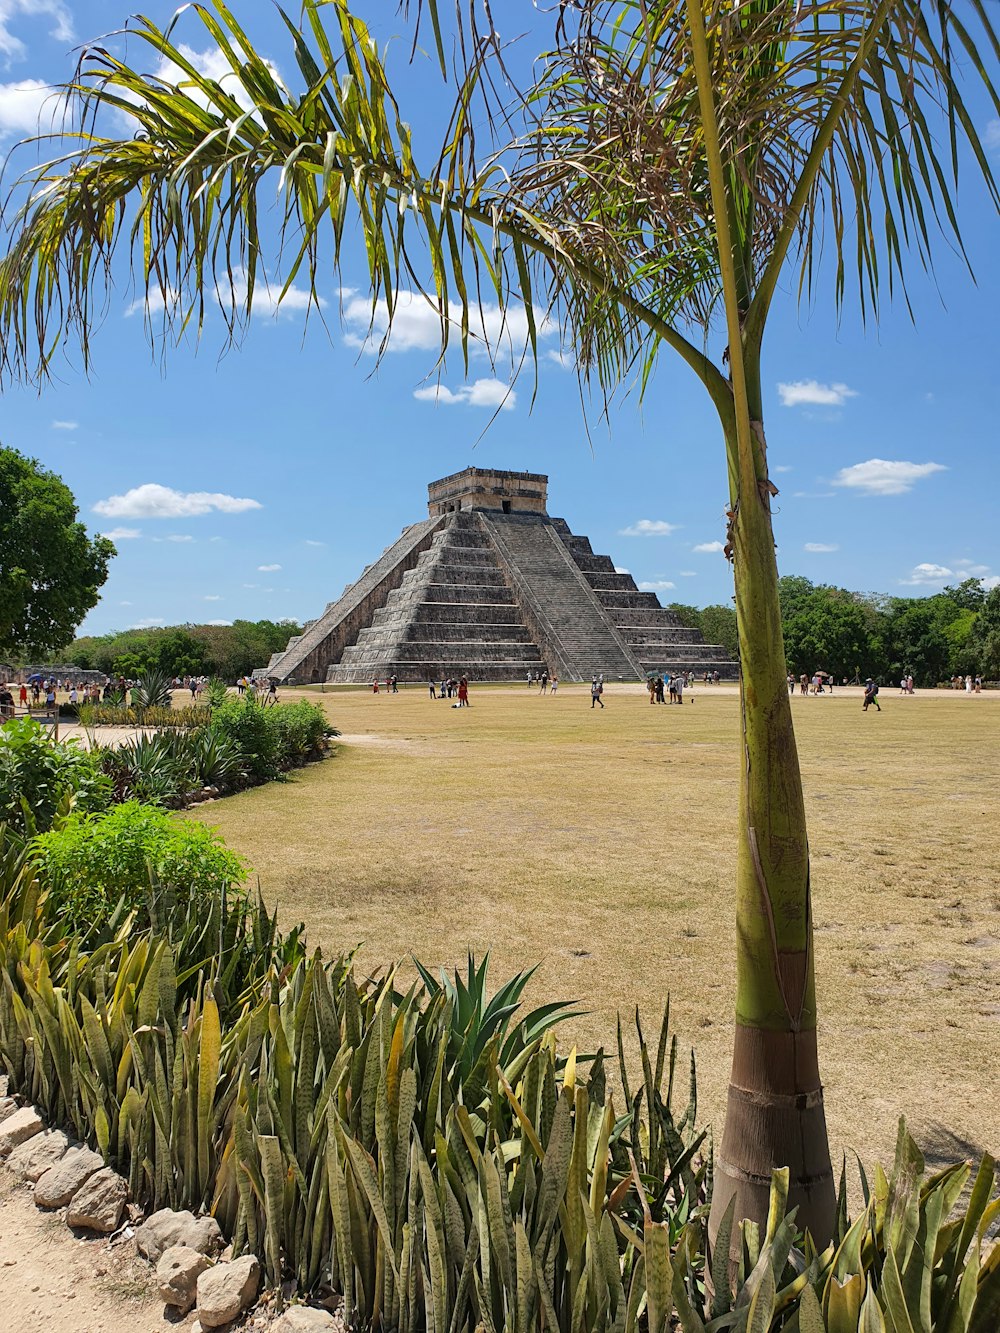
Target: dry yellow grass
[(601, 845)]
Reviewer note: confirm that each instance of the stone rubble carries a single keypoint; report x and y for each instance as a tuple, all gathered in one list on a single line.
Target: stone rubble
[(23, 1124), (99, 1202), (177, 1275), (166, 1228), (305, 1319), (34, 1156), (56, 1186), (227, 1290)]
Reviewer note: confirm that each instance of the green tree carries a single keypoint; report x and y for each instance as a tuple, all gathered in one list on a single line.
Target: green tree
[(673, 161), (51, 571), (984, 641), (718, 624), (829, 631)]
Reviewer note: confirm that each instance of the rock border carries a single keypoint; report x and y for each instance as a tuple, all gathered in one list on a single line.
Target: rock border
[(67, 1176)]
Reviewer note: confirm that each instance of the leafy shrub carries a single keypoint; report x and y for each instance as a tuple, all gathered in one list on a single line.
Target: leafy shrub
[(216, 692), (136, 855), (275, 737), (250, 726), (302, 730), (169, 767), (37, 777)]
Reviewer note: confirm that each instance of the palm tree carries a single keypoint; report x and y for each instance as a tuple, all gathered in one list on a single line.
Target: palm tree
[(669, 162)]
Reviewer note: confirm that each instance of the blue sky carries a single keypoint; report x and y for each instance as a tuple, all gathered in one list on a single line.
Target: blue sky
[(260, 482)]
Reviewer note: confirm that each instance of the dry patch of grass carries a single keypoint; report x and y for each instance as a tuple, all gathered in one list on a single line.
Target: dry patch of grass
[(601, 845)]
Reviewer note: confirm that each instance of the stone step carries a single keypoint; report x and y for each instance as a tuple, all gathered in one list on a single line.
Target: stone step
[(393, 650)]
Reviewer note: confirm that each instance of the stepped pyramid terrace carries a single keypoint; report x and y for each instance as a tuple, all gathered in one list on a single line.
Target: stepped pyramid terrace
[(490, 587)]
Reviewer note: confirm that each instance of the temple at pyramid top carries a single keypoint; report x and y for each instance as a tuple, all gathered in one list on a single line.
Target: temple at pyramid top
[(489, 586), (486, 488)]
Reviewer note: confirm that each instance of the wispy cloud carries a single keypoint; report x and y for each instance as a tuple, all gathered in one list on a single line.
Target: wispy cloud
[(782, 467), (175, 537), (879, 476), (656, 585), (65, 425), (122, 534), (707, 548), (211, 597), (991, 135), (29, 106), (990, 582), (480, 393), (970, 569), (620, 569), (648, 527), (312, 543), (820, 548), (416, 324), (154, 501), (268, 569), (688, 573), (798, 393), (150, 622), (927, 573), (61, 30)]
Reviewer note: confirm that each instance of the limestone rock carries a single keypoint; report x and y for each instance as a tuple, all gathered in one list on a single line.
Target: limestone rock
[(226, 1290), (4, 1081), (99, 1202), (34, 1156), (7, 1106), (166, 1228), (23, 1124), (59, 1183), (177, 1275), (305, 1319)]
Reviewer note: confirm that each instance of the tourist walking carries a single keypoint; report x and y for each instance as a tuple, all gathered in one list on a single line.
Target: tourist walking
[(596, 690), (871, 696)]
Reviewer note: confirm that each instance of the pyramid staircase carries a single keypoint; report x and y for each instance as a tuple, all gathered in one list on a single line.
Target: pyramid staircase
[(492, 588)]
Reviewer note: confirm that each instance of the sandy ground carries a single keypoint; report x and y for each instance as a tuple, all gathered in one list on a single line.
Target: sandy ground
[(52, 1281)]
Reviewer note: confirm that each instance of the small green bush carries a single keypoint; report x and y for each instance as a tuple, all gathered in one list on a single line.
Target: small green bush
[(112, 715), (251, 727), (272, 737), (135, 855), (37, 777)]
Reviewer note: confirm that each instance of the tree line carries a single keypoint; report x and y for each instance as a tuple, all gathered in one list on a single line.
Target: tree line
[(229, 651), (954, 632)]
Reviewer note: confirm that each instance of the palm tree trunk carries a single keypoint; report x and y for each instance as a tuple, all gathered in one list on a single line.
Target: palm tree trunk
[(774, 1115)]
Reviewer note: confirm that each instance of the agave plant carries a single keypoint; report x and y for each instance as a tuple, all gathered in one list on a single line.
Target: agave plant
[(483, 1031), (153, 689), (216, 760), (215, 692)]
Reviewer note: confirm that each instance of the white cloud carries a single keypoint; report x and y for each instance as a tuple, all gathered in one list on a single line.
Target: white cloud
[(124, 603), (656, 585), (65, 425), (218, 622), (820, 548), (211, 597), (988, 584), (564, 360), (153, 302), (480, 393), (175, 537), (122, 534), (620, 569), (267, 569), (782, 467), (706, 548), (928, 573), (648, 527), (416, 324), (688, 573), (970, 568), (991, 135), (800, 392), (62, 24), (29, 107), (879, 476), (310, 543), (813, 495), (151, 622), (154, 501)]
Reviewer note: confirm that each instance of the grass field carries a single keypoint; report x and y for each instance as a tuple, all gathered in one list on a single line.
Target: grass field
[(600, 844)]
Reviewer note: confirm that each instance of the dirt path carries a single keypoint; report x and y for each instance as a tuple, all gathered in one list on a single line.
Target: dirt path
[(52, 1280)]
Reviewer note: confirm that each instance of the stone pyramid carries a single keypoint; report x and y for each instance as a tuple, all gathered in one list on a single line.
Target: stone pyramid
[(490, 587)]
